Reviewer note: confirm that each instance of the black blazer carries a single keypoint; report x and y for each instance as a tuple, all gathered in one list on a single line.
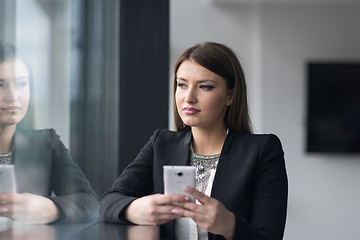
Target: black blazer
[(250, 181), (43, 166)]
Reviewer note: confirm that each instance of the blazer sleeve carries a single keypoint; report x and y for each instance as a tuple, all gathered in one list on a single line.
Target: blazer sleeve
[(73, 194), (269, 195), (135, 181)]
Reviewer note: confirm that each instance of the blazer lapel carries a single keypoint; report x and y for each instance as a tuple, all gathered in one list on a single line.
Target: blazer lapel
[(179, 154), (219, 183), (31, 170)]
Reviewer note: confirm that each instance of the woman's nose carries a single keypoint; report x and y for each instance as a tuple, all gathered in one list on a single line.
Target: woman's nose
[(190, 96), (10, 94)]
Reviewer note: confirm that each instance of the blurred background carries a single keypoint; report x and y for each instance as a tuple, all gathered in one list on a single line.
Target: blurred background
[(275, 40), (102, 73)]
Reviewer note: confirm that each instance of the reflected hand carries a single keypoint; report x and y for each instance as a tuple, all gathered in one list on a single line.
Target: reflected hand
[(28, 208), (154, 209), (143, 233), (211, 215), (20, 231)]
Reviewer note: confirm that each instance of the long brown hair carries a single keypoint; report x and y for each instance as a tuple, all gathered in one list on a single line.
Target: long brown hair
[(221, 60)]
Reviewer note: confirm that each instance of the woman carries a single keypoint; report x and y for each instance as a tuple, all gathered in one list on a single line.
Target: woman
[(50, 185), (241, 182)]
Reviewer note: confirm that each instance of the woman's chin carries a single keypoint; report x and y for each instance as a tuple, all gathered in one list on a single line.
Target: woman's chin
[(13, 120), (191, 123)]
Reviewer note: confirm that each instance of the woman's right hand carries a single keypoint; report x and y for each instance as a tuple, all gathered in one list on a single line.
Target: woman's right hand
[(154, 209), (28, 208)]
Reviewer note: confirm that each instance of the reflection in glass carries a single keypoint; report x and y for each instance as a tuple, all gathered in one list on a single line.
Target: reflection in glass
[(143, 233), (70, 50), (51, 187), (7, 176), (20, 231)]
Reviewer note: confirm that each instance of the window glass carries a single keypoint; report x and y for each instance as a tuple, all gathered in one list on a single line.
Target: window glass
[(71, 48)]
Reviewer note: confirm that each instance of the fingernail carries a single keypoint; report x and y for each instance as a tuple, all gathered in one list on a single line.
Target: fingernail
[(187, 198), (176, 211)]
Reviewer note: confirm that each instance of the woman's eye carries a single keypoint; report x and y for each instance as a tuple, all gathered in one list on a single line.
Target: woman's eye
[(181, 85), (207, 87), (21, 84)]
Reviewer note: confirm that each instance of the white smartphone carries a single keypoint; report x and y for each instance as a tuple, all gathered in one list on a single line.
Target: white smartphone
[(7, 178), (177, 177)]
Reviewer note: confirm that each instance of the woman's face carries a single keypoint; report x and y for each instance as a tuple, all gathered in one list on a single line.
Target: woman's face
[(202, 97), (14, 91)]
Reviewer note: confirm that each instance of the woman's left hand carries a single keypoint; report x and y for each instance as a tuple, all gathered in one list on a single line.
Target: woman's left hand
[(211, 215), (28, 208)]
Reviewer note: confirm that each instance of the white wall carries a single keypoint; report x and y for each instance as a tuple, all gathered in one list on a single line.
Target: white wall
[(274, 42)]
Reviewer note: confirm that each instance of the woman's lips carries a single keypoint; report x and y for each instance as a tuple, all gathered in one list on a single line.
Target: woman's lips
[(190, 110), (10, 109)]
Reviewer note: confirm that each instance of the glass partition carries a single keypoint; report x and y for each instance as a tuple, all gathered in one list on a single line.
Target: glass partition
[(71, 50)]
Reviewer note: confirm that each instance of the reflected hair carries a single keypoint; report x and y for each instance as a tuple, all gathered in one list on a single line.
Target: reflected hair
[(221, 60), (9, 52)]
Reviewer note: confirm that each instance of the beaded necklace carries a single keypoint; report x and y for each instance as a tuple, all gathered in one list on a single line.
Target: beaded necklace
[(203, 164), (6, 158)]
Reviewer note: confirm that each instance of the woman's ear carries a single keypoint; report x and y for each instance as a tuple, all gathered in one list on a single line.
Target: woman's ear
[(229, 99)]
